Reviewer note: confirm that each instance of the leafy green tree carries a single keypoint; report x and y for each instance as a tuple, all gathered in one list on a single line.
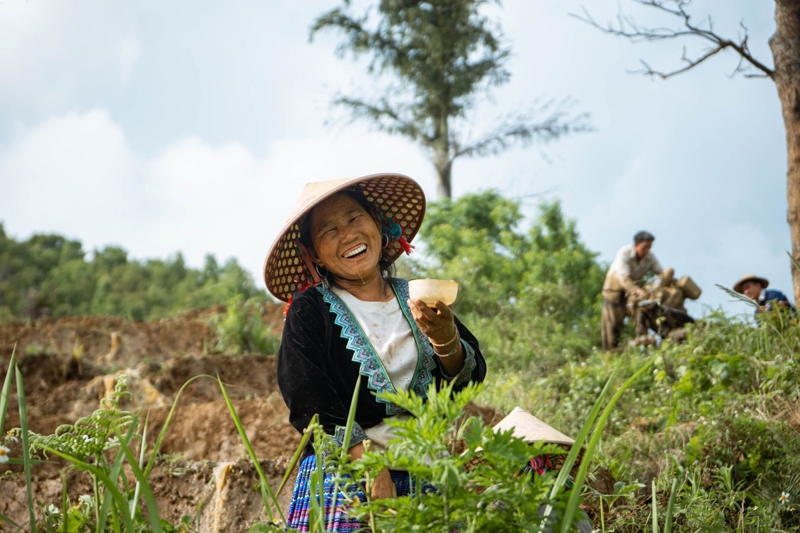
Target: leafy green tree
[(526, 293), (476, 240), (51, 275), (441, 54)]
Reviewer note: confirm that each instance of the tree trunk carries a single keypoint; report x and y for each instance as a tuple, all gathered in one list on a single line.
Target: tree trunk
[(441, 155), (443, 164), (785, 45)]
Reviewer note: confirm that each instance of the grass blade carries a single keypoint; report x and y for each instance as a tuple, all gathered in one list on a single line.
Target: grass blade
[(6, 520), (737, 296), (348, 430), (64, 502), (654, 501), (317, 504), (671, 506), (142, 449), (116, 468), (6, 392), (265, 488), (351, 414), (119, 498), (163, 432), (569, 461), (575, 494), (23, 422), (141, 481), (794, 261), (296, 457)]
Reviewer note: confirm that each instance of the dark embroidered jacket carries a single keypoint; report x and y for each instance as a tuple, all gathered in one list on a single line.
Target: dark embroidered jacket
[(324, 349)]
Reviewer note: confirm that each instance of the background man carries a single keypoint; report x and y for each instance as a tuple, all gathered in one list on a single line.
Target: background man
[(630, 265), (755, 288)]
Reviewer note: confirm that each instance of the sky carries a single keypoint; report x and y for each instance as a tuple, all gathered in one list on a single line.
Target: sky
[(192, 126)]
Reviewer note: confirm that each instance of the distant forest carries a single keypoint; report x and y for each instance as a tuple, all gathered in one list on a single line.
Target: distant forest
[(50, 275)]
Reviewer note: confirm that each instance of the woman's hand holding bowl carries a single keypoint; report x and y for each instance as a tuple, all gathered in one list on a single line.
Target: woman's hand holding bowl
[(437, 322)]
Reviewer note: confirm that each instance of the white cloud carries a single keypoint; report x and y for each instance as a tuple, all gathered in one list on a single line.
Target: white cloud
[(77, 175), (128, 53), (225, 201), (28, 30)]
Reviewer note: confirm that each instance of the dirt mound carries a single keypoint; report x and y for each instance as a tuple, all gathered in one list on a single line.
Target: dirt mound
[(244, 376), (217, 496), (117, 342), (70, 364), (206, 431)]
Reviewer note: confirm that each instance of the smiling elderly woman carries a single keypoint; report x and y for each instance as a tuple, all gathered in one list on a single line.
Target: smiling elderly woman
[(347, 316)]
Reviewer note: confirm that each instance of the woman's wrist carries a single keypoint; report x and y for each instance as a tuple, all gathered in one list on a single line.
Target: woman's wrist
[(448, 348), (449, 342)]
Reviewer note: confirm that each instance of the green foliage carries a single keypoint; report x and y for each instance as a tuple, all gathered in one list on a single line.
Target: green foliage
[(100, 445), (442, 49), (524, 293), (242, 330), (50, 275), (547, 270), (714, 413), (90, 436), (490, 495)]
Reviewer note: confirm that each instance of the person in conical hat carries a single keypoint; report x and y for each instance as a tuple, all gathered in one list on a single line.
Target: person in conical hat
[(349, 316), (756, 288)]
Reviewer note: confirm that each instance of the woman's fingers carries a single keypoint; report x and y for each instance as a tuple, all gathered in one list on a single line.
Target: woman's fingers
[(436, 323), (444, 310)]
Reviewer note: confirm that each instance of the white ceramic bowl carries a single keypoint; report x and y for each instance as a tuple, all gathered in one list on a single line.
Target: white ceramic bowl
[(430, 290)]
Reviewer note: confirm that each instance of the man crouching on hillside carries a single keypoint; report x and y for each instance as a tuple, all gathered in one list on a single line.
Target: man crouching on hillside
[(630, 265)]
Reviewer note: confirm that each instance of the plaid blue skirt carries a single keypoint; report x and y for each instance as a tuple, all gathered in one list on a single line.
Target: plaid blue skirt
[(335, 519)]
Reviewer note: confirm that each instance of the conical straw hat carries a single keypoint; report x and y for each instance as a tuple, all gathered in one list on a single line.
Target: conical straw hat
[(399, 198), (530, 429), (750, 277)]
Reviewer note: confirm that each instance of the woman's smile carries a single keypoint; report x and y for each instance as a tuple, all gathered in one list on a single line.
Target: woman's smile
[(347, 239), (355, 251)]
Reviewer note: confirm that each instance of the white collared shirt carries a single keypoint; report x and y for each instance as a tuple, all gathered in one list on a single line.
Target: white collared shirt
[(389, 332), (626, 269)]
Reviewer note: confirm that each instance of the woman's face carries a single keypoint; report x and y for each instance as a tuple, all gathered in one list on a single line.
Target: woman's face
[(346, 239)]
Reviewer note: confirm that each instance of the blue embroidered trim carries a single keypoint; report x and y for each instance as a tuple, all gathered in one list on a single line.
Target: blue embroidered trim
[(357, 435), (469, 365), (363, 352), (426, 363)]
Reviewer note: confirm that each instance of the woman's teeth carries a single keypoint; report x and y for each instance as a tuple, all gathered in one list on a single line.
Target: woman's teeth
[(355, 251)]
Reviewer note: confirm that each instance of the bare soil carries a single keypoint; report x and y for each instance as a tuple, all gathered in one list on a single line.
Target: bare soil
[(69, 364)]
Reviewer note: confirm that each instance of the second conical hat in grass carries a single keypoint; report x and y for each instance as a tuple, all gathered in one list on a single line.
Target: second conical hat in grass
[(530, 429)]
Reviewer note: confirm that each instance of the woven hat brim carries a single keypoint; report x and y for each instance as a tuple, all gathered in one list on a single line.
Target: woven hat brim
[(750, 277), (530, 429), (397, 196)]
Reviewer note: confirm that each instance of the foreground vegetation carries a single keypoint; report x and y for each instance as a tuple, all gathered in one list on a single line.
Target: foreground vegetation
[(717, 418), (706, 439)]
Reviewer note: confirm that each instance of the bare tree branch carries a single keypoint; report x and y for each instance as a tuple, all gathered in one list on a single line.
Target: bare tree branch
[(628, 28), (384, 117), (525, 130)]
